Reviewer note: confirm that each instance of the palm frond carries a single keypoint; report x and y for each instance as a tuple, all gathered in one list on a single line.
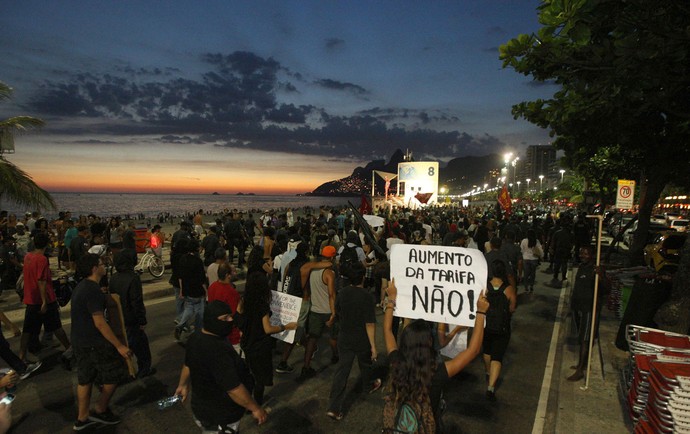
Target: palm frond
[(20, 123), (5, 91), (17, 186)]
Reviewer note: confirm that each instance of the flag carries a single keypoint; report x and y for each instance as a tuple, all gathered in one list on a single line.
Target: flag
[(365, 206), (504, 200)]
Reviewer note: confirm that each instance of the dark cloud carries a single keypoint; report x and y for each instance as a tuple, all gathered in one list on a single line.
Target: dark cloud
[(233, 104), (339, 85), (334, 43), (95, 142)]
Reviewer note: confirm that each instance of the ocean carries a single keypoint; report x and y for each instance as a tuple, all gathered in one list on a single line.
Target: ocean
[(150, 205)]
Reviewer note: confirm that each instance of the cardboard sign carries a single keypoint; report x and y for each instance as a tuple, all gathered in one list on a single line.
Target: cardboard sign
[(285, 310), (438, 283)]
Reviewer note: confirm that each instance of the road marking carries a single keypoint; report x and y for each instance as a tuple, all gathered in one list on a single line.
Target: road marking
[(540, 416)]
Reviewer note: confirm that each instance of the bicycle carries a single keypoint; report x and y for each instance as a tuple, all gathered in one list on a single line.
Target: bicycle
[(152, 262)]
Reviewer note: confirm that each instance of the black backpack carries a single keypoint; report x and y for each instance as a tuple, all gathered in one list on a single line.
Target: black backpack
[(292, 281), (498, 316), (348, 257)]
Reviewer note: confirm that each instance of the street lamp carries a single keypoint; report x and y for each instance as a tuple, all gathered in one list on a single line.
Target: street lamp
[(528, 180), (514, 164), (562, 171), (485, 185), (541, 182), (518, 184)]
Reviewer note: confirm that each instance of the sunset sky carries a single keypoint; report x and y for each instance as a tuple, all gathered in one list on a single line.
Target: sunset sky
[(262, 96)]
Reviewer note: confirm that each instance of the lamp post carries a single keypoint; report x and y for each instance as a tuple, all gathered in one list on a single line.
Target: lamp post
[(514, 164), (528, 180), (518, 187), (541, 183), (562, 171)]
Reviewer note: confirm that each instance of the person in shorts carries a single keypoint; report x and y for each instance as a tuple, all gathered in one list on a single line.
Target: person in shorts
[(322, 310), (100, 356)]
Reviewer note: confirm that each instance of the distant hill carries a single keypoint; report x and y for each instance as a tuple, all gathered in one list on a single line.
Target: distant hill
[(459, 175)]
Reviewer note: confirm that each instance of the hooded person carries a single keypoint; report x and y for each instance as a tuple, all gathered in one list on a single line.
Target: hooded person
[(127, 284), (218, 374)]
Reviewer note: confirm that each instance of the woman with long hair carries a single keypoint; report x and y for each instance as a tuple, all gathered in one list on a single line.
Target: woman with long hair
[(417, 378), (256, 329), (503, 298), (531, 253), (256, 262)]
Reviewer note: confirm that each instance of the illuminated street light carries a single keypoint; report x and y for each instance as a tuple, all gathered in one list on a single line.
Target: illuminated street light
[(541, 182), (528, 180), (507, 157), (485, 185), (562, 171), (518, 184)]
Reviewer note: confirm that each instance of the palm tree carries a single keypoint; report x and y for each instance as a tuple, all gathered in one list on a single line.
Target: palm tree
[(15, 184)]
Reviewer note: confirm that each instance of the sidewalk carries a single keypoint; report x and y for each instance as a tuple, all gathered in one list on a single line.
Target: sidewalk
[(598, 408)]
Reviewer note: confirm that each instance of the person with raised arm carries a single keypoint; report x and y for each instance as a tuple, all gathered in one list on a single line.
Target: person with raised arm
[(417, 377)]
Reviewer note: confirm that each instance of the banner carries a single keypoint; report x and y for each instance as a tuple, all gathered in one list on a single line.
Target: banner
[(504, 200), (438, 283), (285, 310)]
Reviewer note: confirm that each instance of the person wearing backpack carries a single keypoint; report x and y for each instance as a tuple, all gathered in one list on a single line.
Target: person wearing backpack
[(503, 299), (414, 405)]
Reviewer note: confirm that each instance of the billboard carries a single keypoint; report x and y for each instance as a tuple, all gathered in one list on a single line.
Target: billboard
[(419, 180)]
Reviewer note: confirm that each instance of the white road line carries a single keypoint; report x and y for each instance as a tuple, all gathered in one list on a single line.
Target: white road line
[(540, 416)]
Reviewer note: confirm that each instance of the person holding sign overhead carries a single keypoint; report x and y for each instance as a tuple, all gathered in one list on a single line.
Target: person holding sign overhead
[(417, 379), (503, 299)]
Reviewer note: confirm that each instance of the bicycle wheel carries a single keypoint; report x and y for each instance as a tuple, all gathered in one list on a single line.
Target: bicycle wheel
[(156, 267)]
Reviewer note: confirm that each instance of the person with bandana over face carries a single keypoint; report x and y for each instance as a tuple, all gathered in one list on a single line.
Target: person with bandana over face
[(218, 375)]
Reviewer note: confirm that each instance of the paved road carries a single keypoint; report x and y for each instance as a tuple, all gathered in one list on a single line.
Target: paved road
[(46, 402)]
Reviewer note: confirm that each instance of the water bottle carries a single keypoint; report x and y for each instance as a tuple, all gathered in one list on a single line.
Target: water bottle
[(169, 401)]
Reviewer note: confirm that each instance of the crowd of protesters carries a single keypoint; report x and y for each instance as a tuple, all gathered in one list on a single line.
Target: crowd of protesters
[(340, 270)]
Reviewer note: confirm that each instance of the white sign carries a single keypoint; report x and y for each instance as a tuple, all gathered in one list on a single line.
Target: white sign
[(457, 345), (438, 283), (625, 194), (285, 308)]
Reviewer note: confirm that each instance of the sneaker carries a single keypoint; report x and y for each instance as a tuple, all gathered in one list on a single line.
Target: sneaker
[(334, 415), (284, 368), (107, 417), (307, 372), (83, 424), (178, 333), (30, 369)]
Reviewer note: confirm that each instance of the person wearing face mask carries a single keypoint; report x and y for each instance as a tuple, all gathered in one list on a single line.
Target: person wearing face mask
[(218, 374)]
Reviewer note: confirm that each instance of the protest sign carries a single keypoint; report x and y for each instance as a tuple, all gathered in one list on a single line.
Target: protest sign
[(438, 283), (456, 345), (285, 310)]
